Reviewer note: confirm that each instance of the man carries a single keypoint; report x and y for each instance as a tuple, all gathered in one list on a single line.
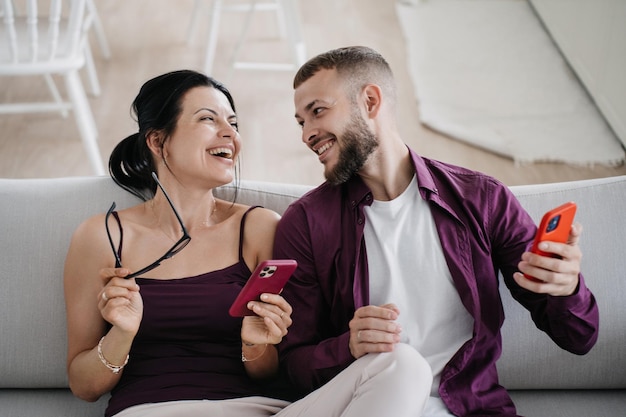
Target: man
[(398, 249)]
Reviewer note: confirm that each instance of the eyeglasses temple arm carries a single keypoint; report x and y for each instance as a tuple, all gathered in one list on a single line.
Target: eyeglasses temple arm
[(169, 200), (118, 261)]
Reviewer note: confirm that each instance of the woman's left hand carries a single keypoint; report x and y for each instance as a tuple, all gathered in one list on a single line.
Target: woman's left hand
[(270, 324)]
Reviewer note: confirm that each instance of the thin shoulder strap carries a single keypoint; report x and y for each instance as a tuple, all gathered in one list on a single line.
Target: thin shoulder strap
[(119, 247), (241, 227)]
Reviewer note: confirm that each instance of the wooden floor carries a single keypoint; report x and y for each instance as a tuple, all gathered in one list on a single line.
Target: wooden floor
[(148, 37)]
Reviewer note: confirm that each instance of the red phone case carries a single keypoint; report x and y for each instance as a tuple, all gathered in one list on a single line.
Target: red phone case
[(555, 226), (268, 277)]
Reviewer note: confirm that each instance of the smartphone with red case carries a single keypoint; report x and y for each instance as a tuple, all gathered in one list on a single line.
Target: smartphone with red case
[(555, 226), (268, 277)]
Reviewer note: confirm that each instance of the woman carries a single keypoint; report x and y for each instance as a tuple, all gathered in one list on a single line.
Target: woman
[(165, 335)]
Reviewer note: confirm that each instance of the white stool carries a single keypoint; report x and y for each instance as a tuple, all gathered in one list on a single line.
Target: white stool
[(288, 22)]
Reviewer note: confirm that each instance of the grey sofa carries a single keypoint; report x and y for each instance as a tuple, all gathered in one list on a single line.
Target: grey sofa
[(39, 216)]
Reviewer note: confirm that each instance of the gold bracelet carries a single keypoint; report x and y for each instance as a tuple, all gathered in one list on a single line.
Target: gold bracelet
[(114, 368), (243, 357)]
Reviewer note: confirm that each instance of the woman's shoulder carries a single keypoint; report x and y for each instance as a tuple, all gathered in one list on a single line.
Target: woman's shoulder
[(95, 227), (262, 220), (91, 226), (263, 213), (253, 213), (259, 221), (88, 242)]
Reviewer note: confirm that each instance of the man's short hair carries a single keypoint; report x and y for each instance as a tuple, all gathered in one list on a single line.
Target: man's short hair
[(357, 65)]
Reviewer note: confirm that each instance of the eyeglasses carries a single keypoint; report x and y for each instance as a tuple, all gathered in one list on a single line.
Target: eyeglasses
[(178, 246)]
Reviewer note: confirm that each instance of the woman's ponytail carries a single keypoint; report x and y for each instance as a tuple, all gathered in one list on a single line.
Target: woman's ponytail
[(131, 166)]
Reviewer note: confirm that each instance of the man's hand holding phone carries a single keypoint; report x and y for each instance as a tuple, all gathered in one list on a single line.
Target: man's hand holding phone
[(553, 264)]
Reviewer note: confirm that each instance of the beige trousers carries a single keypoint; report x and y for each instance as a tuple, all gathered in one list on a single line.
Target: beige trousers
[(385, 384)]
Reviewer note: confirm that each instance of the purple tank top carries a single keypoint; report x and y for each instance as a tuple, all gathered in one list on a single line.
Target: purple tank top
[(188, 347)]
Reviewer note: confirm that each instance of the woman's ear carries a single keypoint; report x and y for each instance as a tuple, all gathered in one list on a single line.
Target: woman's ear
[(372, 94), (154, 141)]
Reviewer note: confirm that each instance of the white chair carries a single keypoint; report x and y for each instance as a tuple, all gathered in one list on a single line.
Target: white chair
[(103, 43), (288, 22), (52, 42), (92, 20)]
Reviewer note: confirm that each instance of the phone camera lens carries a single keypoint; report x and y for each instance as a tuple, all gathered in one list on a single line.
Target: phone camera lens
[(554, 222)]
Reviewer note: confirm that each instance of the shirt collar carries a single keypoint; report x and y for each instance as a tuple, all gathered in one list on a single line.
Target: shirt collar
[(358, 192), (425, 180)]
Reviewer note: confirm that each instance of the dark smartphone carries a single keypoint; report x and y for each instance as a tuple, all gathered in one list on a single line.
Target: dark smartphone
[(555, 226), (268, 277)]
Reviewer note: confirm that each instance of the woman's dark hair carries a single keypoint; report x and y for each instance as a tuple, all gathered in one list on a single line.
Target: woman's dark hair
[(156, 108)]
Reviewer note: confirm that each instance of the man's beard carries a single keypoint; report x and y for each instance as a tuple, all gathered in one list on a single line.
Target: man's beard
[(357, 144)]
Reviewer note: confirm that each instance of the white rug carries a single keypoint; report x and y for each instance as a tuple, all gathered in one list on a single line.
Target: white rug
[(486, 72)]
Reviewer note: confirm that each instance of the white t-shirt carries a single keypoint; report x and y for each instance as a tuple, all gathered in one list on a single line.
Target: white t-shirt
[(407, 267)]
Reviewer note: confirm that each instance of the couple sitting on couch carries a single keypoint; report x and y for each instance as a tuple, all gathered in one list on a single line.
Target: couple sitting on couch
[(356, 332)]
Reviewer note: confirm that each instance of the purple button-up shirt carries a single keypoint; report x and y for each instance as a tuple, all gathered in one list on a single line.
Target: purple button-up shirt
[(483, 229)]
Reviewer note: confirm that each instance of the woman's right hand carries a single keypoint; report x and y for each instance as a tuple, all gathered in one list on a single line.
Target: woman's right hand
[(120, 302)]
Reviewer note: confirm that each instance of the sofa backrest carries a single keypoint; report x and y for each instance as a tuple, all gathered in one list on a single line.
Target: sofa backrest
[(39, 216)]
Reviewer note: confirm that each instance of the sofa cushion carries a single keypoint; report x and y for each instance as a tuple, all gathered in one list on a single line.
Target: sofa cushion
[(48, 403), (570, 403)]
